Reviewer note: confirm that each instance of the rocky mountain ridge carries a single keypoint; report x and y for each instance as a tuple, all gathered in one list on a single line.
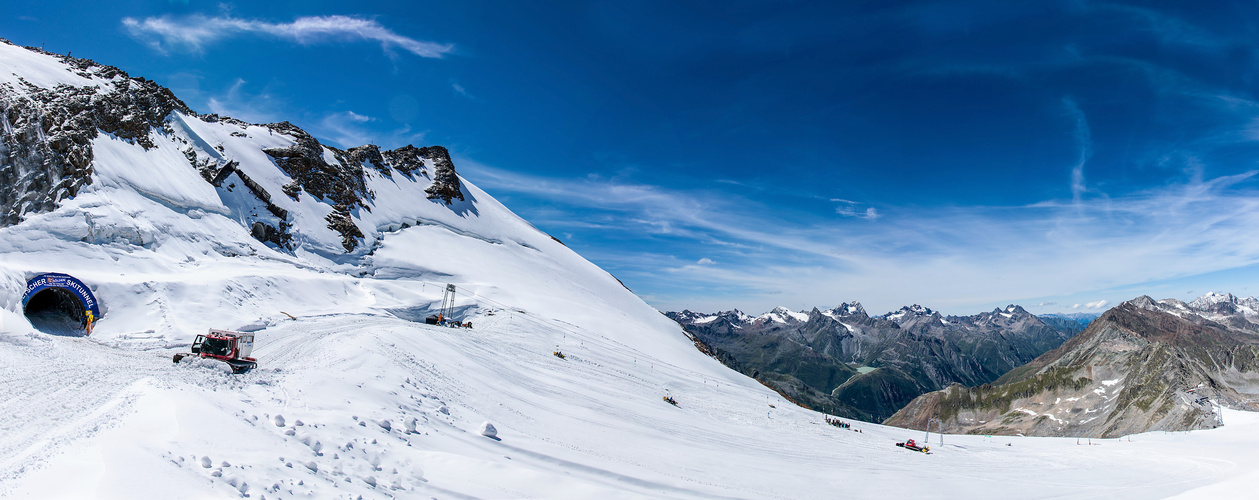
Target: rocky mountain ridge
[(48, 126), (848, 363), (1143, 365)]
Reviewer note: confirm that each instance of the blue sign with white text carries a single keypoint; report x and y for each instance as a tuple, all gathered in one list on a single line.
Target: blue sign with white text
[(91, 308)]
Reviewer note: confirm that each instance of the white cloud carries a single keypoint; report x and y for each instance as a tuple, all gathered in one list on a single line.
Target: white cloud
[(460, 90), (344, 129), (193, 33), (706, 261), (1092, 305), (849, 208), (1084, 141), (240, 104), (355, 117), (956, 258)]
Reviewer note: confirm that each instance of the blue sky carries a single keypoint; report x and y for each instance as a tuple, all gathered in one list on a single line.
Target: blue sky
[(962, 155)]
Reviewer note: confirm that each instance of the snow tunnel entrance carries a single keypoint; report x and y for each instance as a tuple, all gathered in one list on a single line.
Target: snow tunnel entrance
[(60, 304)]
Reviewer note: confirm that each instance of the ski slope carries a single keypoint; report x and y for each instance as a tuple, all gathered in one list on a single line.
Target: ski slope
[(95, 421), (112, 417), (353, 397)]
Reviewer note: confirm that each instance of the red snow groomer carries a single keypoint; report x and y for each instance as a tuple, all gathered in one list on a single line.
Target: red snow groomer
[(910, 445), (227, 346)]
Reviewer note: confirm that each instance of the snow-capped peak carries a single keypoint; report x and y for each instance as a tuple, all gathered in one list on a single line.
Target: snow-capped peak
[(45, 70), (913, 310), (781, 314), (849, 309), (1213, 305), (1212, 298), (1009, 311)]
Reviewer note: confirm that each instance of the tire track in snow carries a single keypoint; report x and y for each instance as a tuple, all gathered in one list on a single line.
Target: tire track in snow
[(58, 391)]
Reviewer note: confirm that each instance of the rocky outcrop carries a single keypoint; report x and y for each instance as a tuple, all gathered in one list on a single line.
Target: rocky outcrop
[(340, 221), (850, 364), (304, 162), (46, 133), (445, 182), (408, 160), (46, 153), (1143, 365), (342, 182), (261, 231)]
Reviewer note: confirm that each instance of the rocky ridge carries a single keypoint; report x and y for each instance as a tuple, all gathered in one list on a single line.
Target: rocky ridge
[(844, 362), (46, 133), (46, 154), (1143, 365)]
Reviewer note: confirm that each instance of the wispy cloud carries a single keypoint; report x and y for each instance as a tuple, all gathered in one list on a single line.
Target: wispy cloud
[(460, 90), (848, 208), (195, 32), (1100, 304), (1169, 29), (950, 258), (1084, 141), (345, 129), (239, 103)]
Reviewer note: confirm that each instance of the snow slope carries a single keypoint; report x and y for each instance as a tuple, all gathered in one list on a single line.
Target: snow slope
[(354, 398), (130, 424)]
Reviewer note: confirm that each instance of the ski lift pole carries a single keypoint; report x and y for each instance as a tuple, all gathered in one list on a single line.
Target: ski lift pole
[(940, 427), (448, 301)]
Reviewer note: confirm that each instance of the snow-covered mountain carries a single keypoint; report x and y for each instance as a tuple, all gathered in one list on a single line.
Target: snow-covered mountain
[(111, 180), (1143, 365), (1082, 319), (850, 364)]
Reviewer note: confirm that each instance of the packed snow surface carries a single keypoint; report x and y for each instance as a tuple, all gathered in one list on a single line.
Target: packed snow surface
[(367, 405)]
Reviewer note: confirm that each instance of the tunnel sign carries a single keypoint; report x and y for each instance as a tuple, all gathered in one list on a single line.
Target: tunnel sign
[(91, 308)]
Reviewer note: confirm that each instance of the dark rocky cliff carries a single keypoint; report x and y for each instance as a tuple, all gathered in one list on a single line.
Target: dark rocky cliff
[(847, 363), (46, 152)]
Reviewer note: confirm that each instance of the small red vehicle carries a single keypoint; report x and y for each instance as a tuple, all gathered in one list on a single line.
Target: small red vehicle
[(227, 346), (910, 445)]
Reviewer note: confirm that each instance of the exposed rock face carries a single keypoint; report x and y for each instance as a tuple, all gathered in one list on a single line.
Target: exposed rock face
[(46, 155), (1143, 365), (445, 182), (845, 362), (304, 162), (46, 133), (340, 221), (409, 160)]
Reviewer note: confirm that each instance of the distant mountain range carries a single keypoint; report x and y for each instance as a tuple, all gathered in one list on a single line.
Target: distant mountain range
[(847, 363), (1143, 365), (1082, 318)]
